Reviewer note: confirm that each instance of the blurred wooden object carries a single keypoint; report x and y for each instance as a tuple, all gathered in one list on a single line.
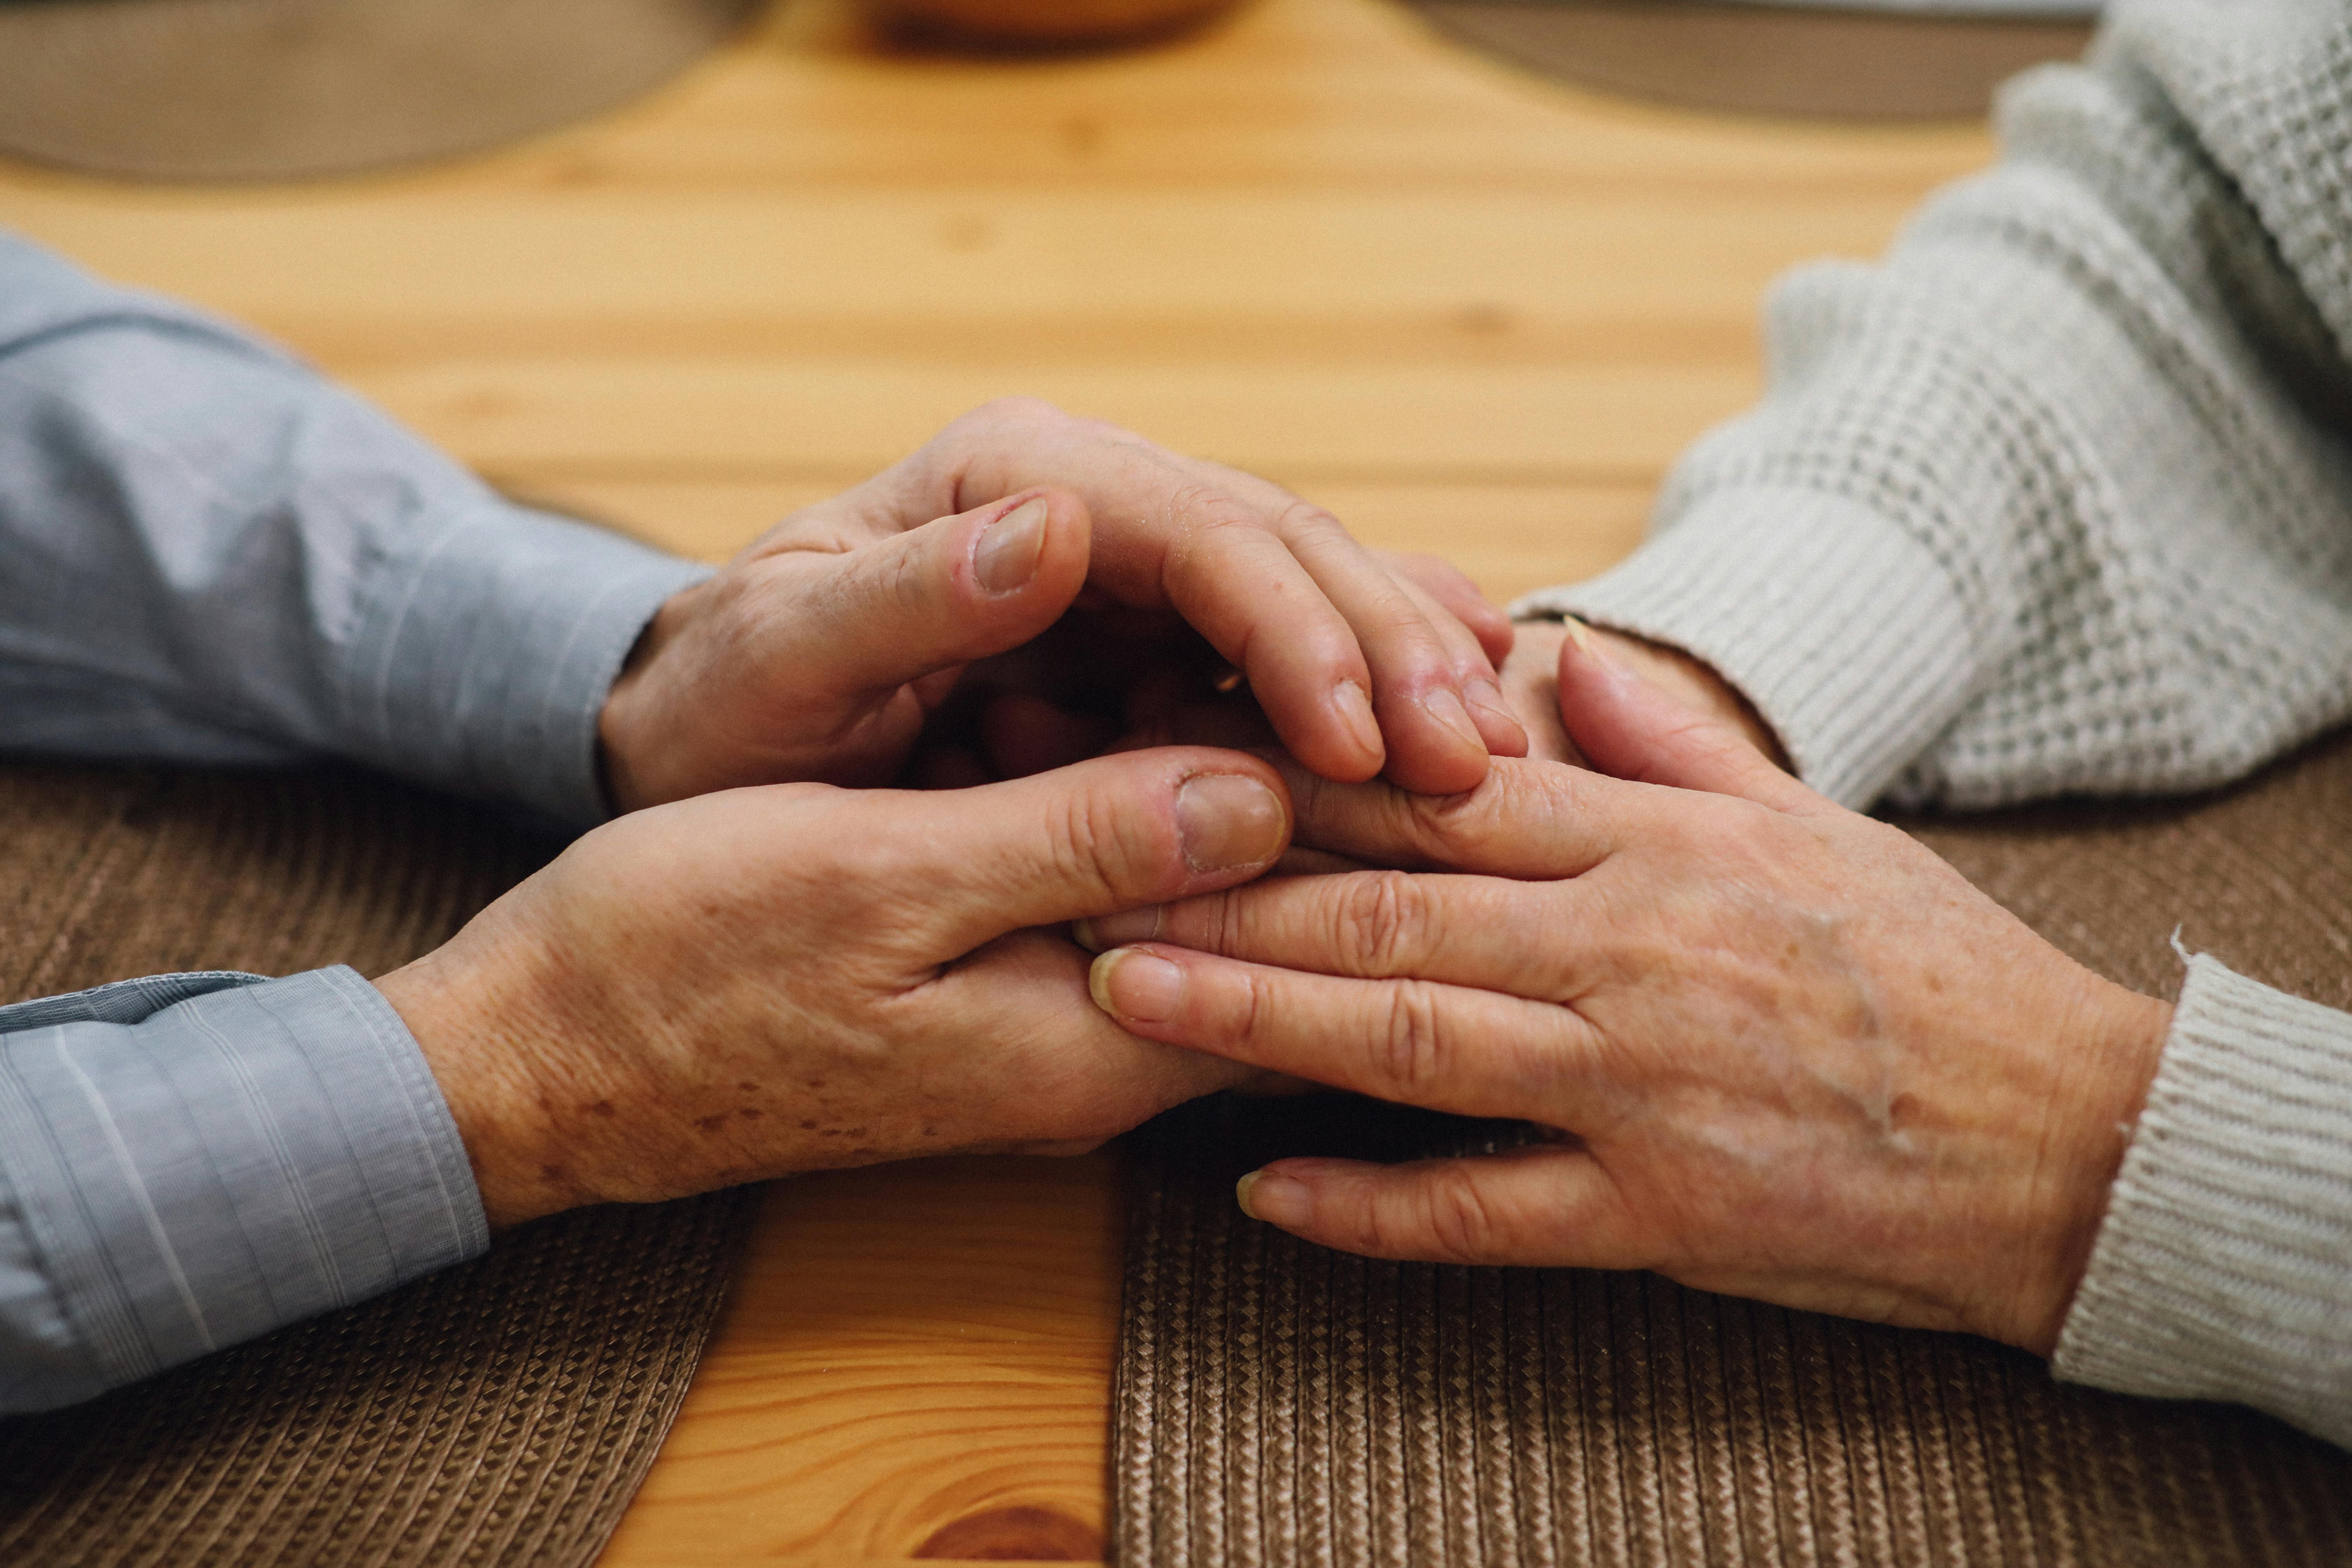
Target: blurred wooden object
[(1768, 59), (1020, 25), (1474, 313)]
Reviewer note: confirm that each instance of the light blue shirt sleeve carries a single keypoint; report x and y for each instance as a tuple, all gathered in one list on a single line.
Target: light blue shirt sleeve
[(194, 1160), (208, 554)]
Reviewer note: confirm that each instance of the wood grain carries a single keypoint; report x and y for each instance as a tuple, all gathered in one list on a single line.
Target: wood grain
[(1473, 312), (909, 1349), (1314, 241)]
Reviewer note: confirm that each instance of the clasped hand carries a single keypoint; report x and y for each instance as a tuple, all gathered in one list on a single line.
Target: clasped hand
[(822, 650), (1780, 1049), (765, 972), (1783, 1050)]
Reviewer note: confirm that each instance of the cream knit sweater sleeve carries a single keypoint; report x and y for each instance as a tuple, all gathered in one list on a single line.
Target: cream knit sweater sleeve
[(2059, 498)]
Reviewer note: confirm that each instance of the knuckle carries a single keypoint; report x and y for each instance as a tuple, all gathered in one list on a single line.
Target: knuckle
[(904, 582), (1414, 1058), (1226, 926), (1461, 1225), (1254, 1011), (1434, 570), (1304, 521), (1207, 508), (1383, 920), (1091, 845), (866, 857), (1451, 828)]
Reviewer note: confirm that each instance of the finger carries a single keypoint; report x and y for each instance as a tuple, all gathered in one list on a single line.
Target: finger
[(953, 590), (1081, 1077), (1445, 583), (1551, 1205), (1108, 834), (1447, 1047), (1179, 534), (1242, 588), (1531, 687), (1482, 931), (1433, 744), (1528, 819), (1482, 691), (1630, 728)]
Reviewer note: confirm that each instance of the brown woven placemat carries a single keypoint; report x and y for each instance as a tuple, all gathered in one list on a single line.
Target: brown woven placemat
[(502, 1412), (1279, 1403)]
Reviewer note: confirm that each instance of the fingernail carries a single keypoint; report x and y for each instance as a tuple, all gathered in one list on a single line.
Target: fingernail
[(1495, 718), (1007, 554), (1225, 820), (1582, 636), (1355, 709), (1118, 930), (1588, 648), (1440, 704), (1140, 986), (1484, 693), (1275, 1198)]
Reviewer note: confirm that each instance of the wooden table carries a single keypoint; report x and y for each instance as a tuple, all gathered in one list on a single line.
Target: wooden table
[(1473, 312)]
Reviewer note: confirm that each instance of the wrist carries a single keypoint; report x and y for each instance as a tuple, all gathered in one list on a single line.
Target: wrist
[(491, 1077), (625, 725), (2111, 1053)]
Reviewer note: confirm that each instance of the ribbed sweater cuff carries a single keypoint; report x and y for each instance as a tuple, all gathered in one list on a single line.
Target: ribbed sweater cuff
[(1837, 624), (2224, 1269)]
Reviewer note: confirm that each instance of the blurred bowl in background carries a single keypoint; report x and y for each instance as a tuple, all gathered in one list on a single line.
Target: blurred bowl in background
[(1910, 59), (1022, 25), (285, 89)]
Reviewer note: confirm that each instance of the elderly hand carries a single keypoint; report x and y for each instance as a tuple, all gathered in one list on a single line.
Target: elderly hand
[(1786, 1051), (821, 650), (777, 979)]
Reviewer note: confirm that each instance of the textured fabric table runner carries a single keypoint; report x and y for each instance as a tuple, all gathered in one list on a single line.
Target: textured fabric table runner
[(502, 1412), (1278, 1404)]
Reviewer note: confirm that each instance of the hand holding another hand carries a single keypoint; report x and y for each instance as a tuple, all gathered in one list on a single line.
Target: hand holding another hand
[(1786, 1050), (784, 978), (820, 651)]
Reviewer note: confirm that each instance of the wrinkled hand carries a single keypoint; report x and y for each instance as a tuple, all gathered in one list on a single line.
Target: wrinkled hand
[(1787, 1051), (820, 652), (778, 979)]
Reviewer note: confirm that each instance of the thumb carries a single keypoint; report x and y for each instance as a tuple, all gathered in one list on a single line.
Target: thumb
[(1115, 833), (956, 589), (1630, 728)]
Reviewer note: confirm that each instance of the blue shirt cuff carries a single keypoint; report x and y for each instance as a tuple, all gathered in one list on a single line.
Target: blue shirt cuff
[(493, 651), (187, 1162)]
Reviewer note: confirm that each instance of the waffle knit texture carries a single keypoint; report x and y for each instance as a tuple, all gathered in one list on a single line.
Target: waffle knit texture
[(2058, 498)]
